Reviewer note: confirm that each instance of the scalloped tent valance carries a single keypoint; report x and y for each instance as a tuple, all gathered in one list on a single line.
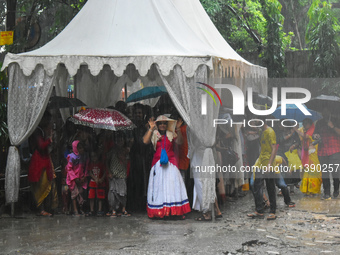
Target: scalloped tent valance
[(96, 63)]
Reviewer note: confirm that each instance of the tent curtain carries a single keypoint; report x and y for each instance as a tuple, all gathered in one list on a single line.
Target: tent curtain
[(102, 90), (27, 99), (187, 99)]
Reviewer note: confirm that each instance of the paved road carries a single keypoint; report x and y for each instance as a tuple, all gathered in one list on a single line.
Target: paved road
[(313, 227)]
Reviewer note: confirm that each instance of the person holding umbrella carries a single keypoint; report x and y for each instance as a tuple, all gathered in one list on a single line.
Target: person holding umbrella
[(327, 135)]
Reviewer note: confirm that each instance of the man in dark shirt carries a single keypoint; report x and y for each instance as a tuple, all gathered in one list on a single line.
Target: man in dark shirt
[(327, 134)]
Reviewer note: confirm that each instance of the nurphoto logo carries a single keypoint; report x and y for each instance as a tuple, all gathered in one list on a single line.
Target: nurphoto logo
[(239, 104)]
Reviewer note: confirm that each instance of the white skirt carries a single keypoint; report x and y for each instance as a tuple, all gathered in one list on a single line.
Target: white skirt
[(166, 192)]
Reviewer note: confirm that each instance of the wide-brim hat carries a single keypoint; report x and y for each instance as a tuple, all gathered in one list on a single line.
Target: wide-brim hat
[(171, 123)]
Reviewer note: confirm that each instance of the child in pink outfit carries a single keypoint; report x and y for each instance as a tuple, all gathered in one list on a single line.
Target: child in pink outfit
[(76, 175)]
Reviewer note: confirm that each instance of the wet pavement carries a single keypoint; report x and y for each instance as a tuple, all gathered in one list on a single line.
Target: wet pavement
[(312, 227)]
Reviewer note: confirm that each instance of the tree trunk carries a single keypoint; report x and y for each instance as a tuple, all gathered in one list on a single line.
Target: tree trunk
[(11, 11), (296, 24)]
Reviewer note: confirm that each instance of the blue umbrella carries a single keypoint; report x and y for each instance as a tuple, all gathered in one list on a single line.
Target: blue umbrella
[(292, 112), (146, 93)]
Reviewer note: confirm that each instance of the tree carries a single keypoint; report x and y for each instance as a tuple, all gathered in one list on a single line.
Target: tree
[(239, 22), (323, 39), (22, 14), (277, 40), (253, 25), (295, 12)]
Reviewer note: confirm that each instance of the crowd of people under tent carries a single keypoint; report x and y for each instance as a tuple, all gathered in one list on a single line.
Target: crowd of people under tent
[(118, 173)]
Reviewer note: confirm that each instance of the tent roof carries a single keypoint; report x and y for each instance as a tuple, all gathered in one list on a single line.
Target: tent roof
[(142, 32)]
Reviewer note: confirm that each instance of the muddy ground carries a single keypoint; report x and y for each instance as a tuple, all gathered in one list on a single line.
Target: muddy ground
[(312, 227)]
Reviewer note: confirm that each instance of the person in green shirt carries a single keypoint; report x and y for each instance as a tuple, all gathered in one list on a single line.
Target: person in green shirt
[(265, 172)]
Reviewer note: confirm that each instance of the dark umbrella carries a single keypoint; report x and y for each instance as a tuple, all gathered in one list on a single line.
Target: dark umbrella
[(57, 102), (146, 93), (332, 103)]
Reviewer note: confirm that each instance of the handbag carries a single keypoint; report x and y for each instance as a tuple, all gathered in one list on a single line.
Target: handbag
[(164, 157)]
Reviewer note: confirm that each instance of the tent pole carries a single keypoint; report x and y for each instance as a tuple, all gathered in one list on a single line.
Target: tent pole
[(74, 91), (125, 94)]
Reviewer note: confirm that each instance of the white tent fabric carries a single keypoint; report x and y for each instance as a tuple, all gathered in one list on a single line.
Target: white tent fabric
[(113, 43), (27, 100), (145, 32)]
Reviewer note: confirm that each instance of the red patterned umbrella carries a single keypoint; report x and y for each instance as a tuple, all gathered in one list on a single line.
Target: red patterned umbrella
[(103, 118)]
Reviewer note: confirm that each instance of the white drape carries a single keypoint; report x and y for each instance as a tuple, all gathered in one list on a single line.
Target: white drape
[(27, 99), (105, 89), (187, 99), (101, 90)]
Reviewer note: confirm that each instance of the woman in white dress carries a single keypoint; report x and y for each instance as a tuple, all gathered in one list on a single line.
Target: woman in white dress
[(167, 194)]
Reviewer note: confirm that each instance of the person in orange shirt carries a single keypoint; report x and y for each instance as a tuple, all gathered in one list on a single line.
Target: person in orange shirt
[(182, 151)]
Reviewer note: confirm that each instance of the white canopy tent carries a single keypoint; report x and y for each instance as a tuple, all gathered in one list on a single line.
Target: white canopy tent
[(112, 43)]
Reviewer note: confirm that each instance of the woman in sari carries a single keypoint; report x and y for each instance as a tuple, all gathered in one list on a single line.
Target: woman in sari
[(41, 172), (312, 178), (167, 194)]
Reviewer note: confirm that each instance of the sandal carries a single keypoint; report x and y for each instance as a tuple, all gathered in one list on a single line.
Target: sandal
[(255, 215), (203, 218), (44, 213), (271, 216), (126, 214), (89, 214), (218, 216), (291, 204), (113, 215)]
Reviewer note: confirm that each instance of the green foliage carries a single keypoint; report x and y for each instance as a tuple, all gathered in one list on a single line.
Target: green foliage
[(276, 39), (323, 39), (237, 21), (3, 78), (3, 110), (253, 25), (3, 125), (212, 7), (57, 14)]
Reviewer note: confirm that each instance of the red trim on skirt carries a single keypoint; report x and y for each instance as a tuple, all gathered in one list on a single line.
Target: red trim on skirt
[(167, 211)]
